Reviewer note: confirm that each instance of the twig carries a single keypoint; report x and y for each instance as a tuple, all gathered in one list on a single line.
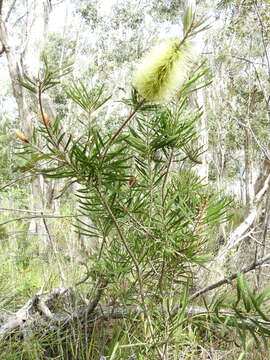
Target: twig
[(135, 221), (247, 60), (264, 151), (266, 100), (227, 280), (47, 126), (16, 180), (20, 210), (188, 32), (130, 253), (38, 216), (57, 3), (86, 276), (118, 131), (166, 176), (262, 36), (265, 230), (163, 197), (56, 143), (10, 10)]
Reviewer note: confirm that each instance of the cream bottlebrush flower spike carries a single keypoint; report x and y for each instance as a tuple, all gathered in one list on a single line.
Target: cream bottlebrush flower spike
[(165, 68)]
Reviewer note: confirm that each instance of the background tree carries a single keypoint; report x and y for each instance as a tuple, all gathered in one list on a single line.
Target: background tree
[(23, 59)]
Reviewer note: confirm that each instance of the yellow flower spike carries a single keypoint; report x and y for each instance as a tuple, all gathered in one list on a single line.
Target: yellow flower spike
[(21, 136), (163, 70)]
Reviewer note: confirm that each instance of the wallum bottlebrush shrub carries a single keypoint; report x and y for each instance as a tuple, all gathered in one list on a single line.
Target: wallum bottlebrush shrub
[(149, 225), (163, 70)]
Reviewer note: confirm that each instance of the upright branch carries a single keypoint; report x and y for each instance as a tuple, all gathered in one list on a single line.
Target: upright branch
[(119, 130), (137, 267)]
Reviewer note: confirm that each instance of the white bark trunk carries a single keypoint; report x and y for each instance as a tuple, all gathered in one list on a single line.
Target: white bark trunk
[(249, 185), (36, 32), (227, 252)]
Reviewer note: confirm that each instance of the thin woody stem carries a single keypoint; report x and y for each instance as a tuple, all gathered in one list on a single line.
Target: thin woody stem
[(51, 134), (163, 212), (135, 262), (119, 130), (43, 118)]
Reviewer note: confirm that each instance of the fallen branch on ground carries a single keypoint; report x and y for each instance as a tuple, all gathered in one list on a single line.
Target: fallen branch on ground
[(37, 311), (39, 306)]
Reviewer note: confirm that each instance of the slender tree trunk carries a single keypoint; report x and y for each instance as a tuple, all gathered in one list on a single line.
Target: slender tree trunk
[(249, 184), (227, 253)]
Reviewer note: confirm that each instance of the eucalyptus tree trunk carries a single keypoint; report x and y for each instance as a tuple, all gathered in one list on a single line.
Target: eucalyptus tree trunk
[(26, 61), (235, 249)]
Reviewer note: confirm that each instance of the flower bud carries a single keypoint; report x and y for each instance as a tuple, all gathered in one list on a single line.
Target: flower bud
[(21, 136), (132, 181), (47, 120)]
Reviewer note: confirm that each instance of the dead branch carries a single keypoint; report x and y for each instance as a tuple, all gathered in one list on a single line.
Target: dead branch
[(261, 187), (227, 280), (38, 216), (21, 178), (40, 305), (93, 304), (19, 319)]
